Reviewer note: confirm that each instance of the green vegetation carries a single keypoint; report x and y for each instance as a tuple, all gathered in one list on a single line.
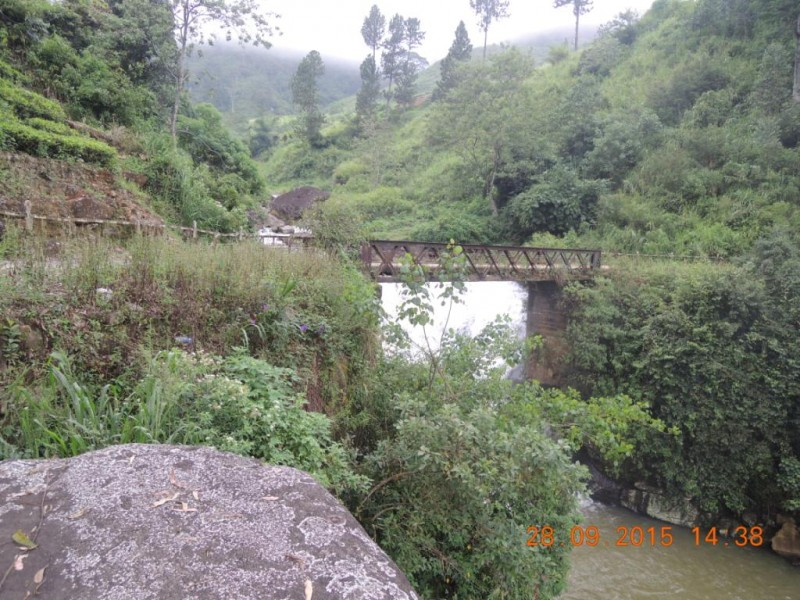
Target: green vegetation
[(244, 83), (39, 142), (306, 97), (24, 103), (487, 12), (713, 352), (463, 461), (237, 404), (460, 51), (87, 355), (113, 65), (674, 134), (442, 459)]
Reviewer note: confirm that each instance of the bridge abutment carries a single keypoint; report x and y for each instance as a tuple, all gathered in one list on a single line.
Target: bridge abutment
[(546, 318)]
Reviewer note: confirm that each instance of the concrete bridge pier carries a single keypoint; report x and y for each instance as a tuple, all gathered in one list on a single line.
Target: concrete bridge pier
[(546, 317)]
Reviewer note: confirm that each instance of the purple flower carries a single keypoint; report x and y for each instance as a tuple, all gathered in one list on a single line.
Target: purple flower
[(264, 307), (252, 321), (303, 327)]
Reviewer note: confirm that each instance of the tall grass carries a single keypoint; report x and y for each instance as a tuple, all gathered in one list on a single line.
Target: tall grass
[(106, 307), (60, 416), (239, 404)]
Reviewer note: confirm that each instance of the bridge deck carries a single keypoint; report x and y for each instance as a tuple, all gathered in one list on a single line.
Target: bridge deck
[(382, 259)]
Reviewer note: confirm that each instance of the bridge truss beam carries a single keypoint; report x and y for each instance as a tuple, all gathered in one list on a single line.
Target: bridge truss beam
[(382, 259)]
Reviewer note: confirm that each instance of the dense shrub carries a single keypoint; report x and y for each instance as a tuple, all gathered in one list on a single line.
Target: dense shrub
[(29, 104), (43, 143), (687, 83), (204, 137), (711, 349), (187, 190), (237, 404), (97, 91), (561, 201), (51, 126), (465, 461)]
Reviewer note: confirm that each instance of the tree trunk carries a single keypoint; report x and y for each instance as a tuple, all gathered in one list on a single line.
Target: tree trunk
[(577, 19), (181, 78), (489, 186), (173, 125), (796, 90), (485, 37)]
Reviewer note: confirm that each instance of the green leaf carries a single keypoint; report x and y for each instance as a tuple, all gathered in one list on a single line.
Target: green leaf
[(21, 538)]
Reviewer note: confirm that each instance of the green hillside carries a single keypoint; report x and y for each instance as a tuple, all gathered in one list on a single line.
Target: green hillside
[(246, 83), (673, 134), (671, 142), (94, 81), (536, 45)]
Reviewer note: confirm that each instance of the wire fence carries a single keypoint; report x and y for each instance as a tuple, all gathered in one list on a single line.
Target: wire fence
[(154, 227)]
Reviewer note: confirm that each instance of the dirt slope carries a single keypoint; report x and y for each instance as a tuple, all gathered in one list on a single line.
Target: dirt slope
[(58, 188)]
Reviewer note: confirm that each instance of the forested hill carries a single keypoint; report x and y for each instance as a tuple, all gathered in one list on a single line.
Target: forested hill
[(96, 82), (245, 83), (673, 133)]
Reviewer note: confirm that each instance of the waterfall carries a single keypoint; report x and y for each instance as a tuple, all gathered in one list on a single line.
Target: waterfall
[(482, 302)]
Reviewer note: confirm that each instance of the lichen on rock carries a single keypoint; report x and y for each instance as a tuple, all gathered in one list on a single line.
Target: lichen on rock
[(175, 522)]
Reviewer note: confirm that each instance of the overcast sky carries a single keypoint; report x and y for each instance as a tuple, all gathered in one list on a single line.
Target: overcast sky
[(334, 27)]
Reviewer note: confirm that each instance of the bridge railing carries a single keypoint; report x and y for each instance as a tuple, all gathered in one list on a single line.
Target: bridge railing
[(382, 258)]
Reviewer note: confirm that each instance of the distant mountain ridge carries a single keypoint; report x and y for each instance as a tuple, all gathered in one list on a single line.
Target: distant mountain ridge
[(245, 83)]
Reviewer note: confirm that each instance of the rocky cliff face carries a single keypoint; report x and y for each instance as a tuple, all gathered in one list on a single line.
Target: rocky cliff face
[(172, 522)]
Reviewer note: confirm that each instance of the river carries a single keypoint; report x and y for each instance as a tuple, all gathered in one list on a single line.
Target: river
[(684, 570)]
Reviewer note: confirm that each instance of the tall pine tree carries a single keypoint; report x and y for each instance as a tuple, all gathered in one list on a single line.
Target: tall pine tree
[(407, 73), (305, 95), (459, 53), (367, 96), (372, 29), (579, 7), (796, 89), (392, 57), (489, 11)]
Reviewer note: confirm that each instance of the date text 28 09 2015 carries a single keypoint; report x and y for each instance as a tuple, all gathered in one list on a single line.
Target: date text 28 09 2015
[(637, 537)]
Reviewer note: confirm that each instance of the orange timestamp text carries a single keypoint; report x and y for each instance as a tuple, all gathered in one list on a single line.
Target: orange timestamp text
[(636, 536), (590, 536)]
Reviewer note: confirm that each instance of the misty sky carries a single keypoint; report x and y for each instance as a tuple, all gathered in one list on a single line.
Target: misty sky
[(334, 27)]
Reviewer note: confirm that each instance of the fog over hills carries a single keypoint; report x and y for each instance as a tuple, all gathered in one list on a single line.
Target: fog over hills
[(244, 83)]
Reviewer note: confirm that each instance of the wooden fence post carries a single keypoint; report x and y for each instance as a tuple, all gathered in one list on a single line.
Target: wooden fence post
[(194, 230), (28, 216), (138, 227)]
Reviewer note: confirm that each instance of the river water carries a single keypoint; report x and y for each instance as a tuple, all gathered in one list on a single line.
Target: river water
[(685, 570)]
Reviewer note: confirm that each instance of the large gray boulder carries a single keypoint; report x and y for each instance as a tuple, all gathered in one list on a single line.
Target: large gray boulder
[(173, 522)]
